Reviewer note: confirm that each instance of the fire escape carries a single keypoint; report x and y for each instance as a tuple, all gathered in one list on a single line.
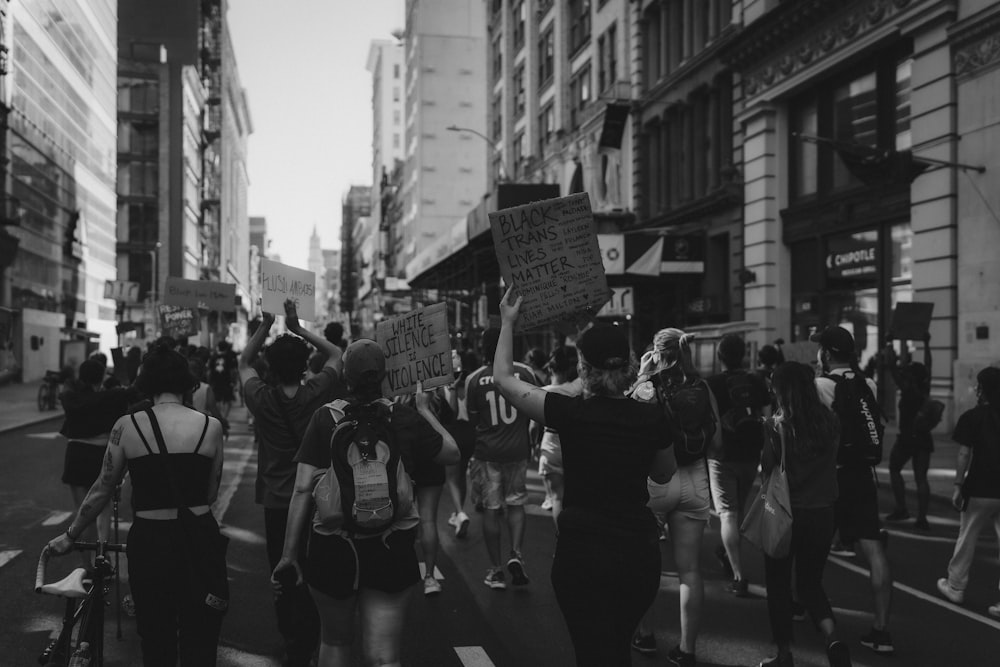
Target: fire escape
[(210, 37)]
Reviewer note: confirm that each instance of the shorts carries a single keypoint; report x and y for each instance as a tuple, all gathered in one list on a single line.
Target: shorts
[(339, 567), (427, 473), (732, 482), (497, 485), (687, 493), (82, 465), (464, 434), (857, 505), (550, 461)]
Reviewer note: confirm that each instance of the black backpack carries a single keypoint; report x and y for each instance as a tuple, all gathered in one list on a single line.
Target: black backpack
[(688, 409), (861, 425), (741, 424)]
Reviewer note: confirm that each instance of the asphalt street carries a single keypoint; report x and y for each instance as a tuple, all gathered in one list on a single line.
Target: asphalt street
[(470, 624)]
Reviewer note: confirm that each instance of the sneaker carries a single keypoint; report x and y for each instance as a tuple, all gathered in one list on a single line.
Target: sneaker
[(994, 611), (780, 660), (680, 658), (495, 579), (739, 587), (843, 550), (644, 644), (128, 605), (547, 504), (798, 611), (898, 515), (953, 594), (838, 654), (720, 553), (922, 524), (453, 520), (461, 524), (879, 641), (516, 568), (431, 585)]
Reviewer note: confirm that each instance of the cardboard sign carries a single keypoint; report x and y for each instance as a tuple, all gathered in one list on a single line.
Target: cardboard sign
[(204, 294), (548, 250), (122, 291), (179, 322), (417, 348), (911, 320), (279, 282)]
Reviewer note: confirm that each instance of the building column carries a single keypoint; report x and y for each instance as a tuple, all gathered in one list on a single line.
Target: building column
[(688, 19)]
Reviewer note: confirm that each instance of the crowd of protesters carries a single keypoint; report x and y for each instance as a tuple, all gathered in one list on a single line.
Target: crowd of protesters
[(632, 451)]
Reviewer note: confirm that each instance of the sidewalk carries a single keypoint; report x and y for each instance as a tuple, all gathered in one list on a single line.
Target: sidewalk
[(19, 406)]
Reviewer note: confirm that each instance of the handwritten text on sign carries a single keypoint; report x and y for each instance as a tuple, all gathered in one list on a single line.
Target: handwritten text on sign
[(179, 322), (279, 282), (417, 348), (204, 294), (548, 250)]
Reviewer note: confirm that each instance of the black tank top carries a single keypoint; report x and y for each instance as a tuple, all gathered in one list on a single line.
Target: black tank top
[(152, 474)]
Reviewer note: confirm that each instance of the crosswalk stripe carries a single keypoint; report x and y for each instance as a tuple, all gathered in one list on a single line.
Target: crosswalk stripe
[(473, 656), (55, 518), (8, 556)]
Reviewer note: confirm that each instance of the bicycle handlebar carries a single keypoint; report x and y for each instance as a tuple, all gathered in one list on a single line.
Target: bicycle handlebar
[(43, 559)]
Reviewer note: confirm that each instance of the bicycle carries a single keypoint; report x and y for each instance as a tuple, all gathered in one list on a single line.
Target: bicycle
[(48, 392)]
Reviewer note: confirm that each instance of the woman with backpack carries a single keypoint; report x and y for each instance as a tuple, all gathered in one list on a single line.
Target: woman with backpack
[(606, 569), (353, 472), (669, 380), (811, 435)]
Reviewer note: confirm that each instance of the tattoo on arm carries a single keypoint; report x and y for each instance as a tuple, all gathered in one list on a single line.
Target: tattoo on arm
[(109, 470), (116, 434)]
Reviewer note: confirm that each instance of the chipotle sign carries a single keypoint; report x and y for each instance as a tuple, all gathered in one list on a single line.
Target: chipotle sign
[(851, 258)]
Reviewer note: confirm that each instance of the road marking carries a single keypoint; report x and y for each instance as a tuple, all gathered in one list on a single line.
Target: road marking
[(45, 436), (55, 518), (8, 556), (921, 595), (221, 505), (922, 538), (473, 656), (437, 572)]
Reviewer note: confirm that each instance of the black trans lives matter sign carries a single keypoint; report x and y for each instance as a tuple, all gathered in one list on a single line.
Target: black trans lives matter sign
[(548, 250)]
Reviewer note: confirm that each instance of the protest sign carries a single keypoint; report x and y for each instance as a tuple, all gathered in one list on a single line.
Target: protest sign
[(417, 348), (548, 251), (204, 294), (911, 320), (179, 322), (279, 282)]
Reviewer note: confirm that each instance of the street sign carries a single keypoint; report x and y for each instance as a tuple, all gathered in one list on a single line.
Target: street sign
[(621, 304), (122, 291)]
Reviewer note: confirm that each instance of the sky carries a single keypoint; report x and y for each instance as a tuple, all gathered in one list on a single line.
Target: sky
[(302, 63)]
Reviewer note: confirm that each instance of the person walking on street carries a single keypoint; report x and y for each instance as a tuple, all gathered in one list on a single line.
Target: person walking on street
[(811, 435), (742, 398), (844, 389), (565, 381), (456, 477), (503, 447), (977, 483), (606, 569), (281, 413)]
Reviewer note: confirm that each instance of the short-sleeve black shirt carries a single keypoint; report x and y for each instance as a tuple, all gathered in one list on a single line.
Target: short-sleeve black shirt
[(979, 429), (608, 446), (732, 449)]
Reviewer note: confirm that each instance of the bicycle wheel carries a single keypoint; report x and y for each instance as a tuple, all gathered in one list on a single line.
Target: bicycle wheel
[(44, 398)]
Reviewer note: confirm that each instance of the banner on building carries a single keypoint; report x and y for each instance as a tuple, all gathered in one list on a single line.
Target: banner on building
[(279, 282), (417, 348), (178, 322), (548, 251), (203, 294)]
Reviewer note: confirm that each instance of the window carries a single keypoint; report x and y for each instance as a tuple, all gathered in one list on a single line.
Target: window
[(579, 24), (519, 15), (518, 153), (497, 59), (904, 138), (546, 57), (519, 92), (138, 95), (497, 116), (395, 71), (138, 179), (579, 95), (546, 127), (395, 94), (607, 63), (396, 116), (395, 139)]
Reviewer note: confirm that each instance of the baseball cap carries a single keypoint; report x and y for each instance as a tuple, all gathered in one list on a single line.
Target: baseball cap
[(604, 346), (364, 361), (835, 339)]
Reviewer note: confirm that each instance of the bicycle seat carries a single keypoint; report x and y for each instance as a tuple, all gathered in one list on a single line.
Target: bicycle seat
[(76, 585)]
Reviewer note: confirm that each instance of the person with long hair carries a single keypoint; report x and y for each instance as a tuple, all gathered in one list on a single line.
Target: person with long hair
[(811, 435), (683, 504), (566, 381), (606, 568), (977, 483), (172, 616), (346, 572)]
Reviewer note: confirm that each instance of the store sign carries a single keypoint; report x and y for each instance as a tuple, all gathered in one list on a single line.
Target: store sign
[(849, 258), (622, 303)]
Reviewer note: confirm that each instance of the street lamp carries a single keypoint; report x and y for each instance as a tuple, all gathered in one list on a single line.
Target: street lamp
[(503, 165)]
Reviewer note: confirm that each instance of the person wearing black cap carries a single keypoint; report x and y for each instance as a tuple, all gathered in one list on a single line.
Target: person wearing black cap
[(856, 510), (606, 569)]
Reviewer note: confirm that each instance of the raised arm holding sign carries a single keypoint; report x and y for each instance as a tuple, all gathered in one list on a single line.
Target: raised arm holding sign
[(279, 282)]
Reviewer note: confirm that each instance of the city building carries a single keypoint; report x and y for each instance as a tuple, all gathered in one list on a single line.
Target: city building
[(386, 64), (355, 205), (57, 246), (260, 245), (316, 264), (328, 283), (204, 230)]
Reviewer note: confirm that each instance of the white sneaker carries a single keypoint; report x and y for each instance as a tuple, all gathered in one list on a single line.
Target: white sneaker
[(994, 611), (547, 504), (956, 596), (461, 524), (453, 520), (431, 585)]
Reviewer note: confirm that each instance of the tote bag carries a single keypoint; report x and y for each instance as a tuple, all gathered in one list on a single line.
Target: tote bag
[(768, 523)]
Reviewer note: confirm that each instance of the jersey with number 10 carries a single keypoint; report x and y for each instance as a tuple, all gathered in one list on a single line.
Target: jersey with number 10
[(501, 430)]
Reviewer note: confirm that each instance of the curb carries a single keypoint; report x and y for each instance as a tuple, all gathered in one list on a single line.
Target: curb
[(31, 422)]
